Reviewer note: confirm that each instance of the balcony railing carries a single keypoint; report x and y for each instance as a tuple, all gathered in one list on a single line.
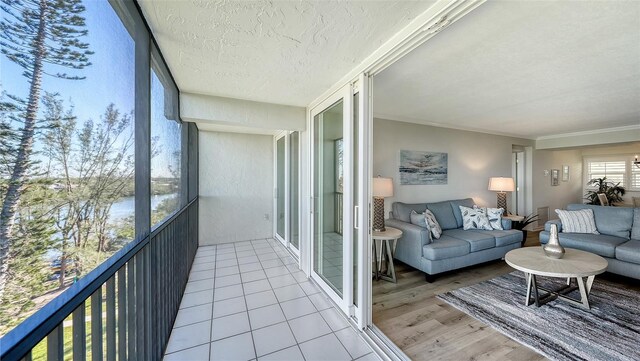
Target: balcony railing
[(132, 298)]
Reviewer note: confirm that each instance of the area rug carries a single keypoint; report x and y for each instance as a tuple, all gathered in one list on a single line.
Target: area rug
[(558, 330)]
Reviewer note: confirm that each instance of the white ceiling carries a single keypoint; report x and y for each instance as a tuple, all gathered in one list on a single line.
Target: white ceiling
[(282, 52), (526, 68)]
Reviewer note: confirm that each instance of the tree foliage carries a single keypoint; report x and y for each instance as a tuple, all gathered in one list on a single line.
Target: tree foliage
[(43, 37)]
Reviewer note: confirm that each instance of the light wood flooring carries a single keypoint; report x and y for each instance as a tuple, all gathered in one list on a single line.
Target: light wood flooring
[(425, 328)]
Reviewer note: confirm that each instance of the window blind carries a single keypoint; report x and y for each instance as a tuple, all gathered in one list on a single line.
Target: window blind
[(615, 171)]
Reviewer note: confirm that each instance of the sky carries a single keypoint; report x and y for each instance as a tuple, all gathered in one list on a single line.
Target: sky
[(110, 79)]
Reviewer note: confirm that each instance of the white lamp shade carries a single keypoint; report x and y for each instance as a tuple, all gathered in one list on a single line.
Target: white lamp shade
[(501, 184), (382, 187)]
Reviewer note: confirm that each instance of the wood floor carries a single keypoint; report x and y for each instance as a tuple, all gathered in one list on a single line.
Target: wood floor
[(425, 328)]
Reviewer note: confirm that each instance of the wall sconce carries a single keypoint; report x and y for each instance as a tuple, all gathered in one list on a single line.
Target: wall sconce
[(636, 162)]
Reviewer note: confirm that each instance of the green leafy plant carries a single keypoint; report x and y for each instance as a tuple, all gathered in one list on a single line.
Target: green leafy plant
[(525, 222), (613, 191)]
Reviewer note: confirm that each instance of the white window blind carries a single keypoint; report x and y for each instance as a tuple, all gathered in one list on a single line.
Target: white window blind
[(635, 177), (614, 170)]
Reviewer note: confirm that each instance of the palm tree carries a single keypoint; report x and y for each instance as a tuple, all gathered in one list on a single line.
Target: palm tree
[(613, 191)]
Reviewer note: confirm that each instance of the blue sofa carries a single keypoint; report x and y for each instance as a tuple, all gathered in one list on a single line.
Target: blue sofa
[(618, 241), (456, 248)]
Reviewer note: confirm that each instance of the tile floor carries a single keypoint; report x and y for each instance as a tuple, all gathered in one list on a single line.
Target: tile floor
[(249, 301)]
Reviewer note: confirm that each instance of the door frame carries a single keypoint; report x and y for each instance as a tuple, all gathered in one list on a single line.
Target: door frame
[(283, 239), (290, 246), (345, 94), (286, 240)]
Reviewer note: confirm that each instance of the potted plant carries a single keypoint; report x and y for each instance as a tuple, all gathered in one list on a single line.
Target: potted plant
[(613, 191), (523, 223)]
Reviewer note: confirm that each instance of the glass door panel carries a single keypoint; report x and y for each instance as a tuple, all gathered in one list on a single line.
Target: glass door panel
[(356, 190), (294, 189), (327, 191), (280, 188)]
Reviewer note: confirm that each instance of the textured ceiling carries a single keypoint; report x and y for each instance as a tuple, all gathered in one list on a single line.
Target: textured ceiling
[(529, 69), (283, 52)]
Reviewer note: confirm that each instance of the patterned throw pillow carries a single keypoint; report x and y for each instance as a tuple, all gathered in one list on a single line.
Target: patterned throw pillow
[(420, 220), (495, 217), (434, 226), (475, 218), (581, 221)]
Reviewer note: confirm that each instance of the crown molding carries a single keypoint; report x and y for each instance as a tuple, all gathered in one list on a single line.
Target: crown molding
[(590, 132), (448, 126)]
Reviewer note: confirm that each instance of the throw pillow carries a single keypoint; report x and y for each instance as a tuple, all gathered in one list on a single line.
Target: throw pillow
[(495, 217), (581, 221), (474, 218), (418, 219), (432, 222)]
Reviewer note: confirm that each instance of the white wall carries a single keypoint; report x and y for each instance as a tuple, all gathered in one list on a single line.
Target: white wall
[(556, 197), (236, 187), (473, 159)]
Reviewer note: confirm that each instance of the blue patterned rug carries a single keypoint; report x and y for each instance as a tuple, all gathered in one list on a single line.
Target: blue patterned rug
[(558, 330)]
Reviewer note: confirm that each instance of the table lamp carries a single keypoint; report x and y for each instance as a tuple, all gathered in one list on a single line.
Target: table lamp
[(502, 185), (382, 188)]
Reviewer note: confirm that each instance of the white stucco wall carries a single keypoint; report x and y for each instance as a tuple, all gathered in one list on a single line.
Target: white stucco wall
[(473, 158), (236, 187)]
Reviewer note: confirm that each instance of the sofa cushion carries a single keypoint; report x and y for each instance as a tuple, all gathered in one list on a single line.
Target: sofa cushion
[(635, 230), (444, 214), (599, 244), (505, 237), (477, 240), (445, 247), (629, 252), (612, 221), (402, 211), (455, 205)]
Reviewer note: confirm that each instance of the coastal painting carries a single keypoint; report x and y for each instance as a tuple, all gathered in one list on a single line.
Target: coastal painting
[(420, 168)]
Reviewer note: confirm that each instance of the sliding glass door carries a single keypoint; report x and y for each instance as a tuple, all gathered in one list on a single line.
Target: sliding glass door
[(328, 220), (286, 193), (337, 219)]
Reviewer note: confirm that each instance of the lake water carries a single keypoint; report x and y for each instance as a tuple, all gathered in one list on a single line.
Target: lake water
[(125, 207), (121, 209)]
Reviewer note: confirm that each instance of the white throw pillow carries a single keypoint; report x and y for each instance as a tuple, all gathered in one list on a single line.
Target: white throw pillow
[(434, 226), (495, 217), (475, 218), (581, 221)]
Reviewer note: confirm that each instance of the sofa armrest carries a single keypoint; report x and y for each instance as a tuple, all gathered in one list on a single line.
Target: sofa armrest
[(506, 224), (409, 246), (547, 226), (410, 231)]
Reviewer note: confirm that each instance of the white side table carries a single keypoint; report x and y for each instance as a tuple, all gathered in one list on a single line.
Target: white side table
[(387, 249)]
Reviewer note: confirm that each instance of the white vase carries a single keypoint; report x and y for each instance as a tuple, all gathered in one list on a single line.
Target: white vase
[(553, 249)]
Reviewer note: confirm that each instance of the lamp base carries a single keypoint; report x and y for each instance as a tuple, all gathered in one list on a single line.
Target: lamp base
[(502, 201), (378, 214)]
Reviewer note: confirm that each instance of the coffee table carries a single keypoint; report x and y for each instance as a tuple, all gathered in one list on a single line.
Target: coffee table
[(575, 264)]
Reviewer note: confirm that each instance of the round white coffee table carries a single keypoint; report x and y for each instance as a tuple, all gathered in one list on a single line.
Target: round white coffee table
[(575, 264), (388, 250)]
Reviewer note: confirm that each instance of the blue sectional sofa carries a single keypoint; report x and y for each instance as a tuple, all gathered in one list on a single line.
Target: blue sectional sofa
[(456, 248), (618, 241)]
